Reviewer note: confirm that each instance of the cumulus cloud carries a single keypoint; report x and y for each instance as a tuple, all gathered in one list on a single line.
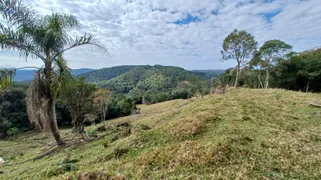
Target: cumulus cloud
[(186, 33)]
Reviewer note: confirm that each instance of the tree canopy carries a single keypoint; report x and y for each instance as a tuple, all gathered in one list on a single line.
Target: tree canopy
[(238, 46), (268, 55)]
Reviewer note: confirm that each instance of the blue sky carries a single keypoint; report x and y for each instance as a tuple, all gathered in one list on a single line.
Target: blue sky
[(185, 33)]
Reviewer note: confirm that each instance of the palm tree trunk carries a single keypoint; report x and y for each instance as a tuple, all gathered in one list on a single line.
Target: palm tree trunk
[(53, 122)]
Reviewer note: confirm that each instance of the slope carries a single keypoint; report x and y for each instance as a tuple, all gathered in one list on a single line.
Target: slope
[(156, 83), (247, 134), (106, 73)]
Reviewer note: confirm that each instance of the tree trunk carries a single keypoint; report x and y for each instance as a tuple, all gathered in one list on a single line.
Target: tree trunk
[(260, 81), (53, 122), (267, 78), (104, 115), (308, 84), (237, 76)]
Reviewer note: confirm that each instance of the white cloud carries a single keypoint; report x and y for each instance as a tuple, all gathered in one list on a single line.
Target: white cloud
[(143, 32)]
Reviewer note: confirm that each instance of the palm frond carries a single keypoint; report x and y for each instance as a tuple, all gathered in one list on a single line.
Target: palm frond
[(15, 40), (16, 14), (87, 39), (60, 22), (55, 29)]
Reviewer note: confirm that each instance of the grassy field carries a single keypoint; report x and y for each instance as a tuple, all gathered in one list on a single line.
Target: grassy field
[(244, 134)]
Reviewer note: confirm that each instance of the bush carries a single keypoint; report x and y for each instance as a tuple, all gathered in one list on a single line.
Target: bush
[(12, 131), (13, 116), (120, 106), (92, 132), (102, 128)]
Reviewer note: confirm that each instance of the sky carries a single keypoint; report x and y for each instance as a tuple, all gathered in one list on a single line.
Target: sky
[(185, 33)]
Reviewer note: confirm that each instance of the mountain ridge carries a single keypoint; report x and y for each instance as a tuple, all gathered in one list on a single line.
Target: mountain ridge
[(28, 74)]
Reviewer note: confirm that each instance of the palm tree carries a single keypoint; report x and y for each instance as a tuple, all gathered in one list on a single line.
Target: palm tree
[(45, 38)]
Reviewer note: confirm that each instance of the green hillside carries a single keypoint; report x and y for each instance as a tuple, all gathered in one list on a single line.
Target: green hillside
[(106, 73), (243, 134), (152, 83), (208, 73)]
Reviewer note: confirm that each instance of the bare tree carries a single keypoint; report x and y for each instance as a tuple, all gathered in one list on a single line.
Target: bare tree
[(101, 100)]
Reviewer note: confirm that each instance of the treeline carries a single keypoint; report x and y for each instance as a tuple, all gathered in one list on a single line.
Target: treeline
[(273, 65), (299, 72)]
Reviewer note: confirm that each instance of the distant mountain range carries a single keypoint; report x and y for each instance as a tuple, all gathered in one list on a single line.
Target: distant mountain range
[(109, 73), (27, 75), (104, 74)]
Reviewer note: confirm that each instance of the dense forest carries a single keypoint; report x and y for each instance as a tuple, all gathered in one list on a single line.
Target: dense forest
[(298, 72), (150, 84)]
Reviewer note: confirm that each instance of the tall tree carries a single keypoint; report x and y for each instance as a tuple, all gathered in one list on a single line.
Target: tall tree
[(269, 54), (301, 72), (101, 100), (45, 38), (238, 46), (78, 96)]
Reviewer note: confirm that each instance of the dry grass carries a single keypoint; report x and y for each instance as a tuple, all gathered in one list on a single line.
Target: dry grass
[(159, 107), (187, 127), (243, 134)]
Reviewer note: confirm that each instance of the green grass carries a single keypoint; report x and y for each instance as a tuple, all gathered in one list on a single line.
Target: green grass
[(247, 134)]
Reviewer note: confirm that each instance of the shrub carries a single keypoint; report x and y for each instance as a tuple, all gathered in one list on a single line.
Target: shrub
[(12, 131), (92, 132), (102, 128)]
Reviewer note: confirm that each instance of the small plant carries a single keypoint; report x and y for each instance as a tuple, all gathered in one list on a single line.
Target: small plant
[(102, 128), (92, 132), (117, 153), (105, 144), (125, 132), (145, 127), (68, 164), (278, 96), (12, 131)]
